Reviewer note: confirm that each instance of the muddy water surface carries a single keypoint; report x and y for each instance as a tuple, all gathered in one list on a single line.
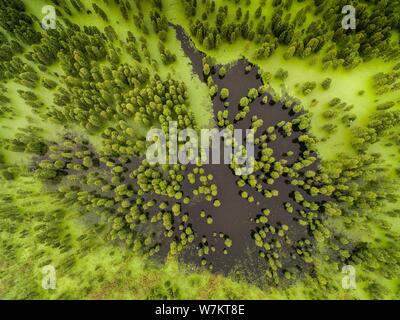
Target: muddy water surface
[(236, 216)]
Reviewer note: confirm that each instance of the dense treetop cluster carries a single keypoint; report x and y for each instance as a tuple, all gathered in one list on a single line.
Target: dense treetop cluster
[(96, 81), (292, 28)]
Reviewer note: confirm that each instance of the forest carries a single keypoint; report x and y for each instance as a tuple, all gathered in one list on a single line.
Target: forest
[(83, 82)]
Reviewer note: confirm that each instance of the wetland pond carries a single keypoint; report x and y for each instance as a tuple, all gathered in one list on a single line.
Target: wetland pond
[(239, 237), (236, 217)]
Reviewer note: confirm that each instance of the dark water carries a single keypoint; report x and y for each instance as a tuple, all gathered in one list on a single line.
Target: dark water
[(236, 216)]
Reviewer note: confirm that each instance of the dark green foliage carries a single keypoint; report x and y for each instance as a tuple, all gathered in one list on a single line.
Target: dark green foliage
[(326, 84), (107, 84), (100, 12)]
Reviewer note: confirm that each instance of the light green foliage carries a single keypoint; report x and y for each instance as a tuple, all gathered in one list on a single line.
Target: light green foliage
[(76, 104)]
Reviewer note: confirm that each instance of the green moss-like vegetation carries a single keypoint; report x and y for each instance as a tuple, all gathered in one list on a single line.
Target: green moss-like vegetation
[(76, 103)]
